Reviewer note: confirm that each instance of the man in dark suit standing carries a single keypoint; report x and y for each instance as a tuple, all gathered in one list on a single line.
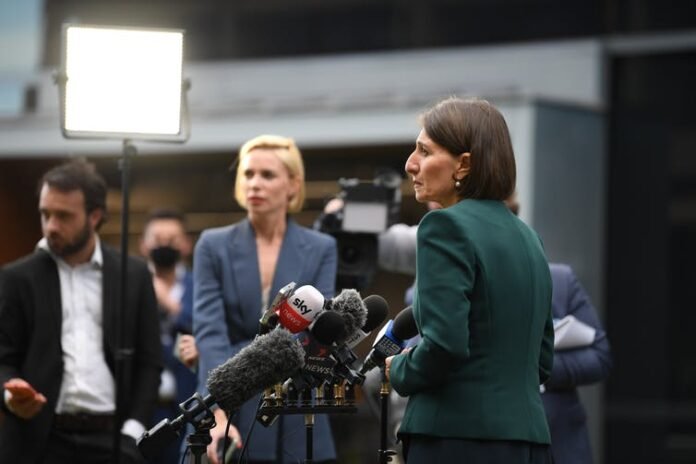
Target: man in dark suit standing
[(573, 367), (59, 307)]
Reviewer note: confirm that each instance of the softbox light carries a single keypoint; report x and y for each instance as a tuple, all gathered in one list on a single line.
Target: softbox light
[(122, 83)]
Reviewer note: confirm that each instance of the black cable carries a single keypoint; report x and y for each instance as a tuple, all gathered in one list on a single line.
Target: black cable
[(248, 435), (226, 440)]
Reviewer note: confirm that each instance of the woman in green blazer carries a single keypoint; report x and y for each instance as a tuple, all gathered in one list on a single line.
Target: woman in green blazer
[(482, 301)]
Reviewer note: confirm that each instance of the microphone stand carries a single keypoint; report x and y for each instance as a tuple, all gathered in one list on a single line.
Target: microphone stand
[(199, 440), (309, 443), (300, 401), (309, 426), (385, 455), (196, 412)]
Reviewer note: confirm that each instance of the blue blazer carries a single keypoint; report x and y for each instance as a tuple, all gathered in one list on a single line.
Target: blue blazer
[(570, 443), (227, 308)]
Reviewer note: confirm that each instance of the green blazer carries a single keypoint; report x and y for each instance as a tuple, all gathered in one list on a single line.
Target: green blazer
[(483, 309)]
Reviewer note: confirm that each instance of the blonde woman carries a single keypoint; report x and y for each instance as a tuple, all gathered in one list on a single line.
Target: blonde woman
[(239, 268)]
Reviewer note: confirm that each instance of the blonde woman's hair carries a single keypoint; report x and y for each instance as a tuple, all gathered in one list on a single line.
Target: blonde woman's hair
[(286, 150)]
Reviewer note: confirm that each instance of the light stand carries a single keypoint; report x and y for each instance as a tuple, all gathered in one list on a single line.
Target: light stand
[(122, 83)]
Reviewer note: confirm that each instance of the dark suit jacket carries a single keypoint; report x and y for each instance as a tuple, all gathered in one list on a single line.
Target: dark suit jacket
[(30, 342), (579, 366), (483, 309), (227, 309)]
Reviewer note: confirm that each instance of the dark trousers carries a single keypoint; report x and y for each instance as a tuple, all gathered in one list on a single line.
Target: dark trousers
[(434, 450), (88, 448)]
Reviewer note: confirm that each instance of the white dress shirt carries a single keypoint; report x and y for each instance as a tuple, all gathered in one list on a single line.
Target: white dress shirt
[(88, 385)]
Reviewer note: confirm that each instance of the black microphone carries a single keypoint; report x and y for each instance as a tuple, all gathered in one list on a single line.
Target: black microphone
[(326, 329), (267, 360), (350, 306), (391, 340), (377, 310), (317, 345)]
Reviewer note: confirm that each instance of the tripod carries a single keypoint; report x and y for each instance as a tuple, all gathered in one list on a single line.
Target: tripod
[(195, 411), (198, 441)]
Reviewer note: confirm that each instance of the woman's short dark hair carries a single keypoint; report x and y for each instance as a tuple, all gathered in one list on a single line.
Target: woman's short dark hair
[(80, 175), (477, 127)]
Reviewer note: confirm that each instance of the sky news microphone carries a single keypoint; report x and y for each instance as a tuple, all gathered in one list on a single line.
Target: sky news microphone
[(267, 360), (391, 340), (296, 312), (377, 310)]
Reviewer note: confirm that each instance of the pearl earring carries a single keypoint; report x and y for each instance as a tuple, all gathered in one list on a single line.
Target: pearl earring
[(457, 184)]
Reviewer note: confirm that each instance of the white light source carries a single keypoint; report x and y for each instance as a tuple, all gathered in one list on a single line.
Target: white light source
[(122, 83)]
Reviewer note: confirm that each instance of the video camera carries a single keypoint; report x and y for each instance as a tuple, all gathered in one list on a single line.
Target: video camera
[(369, 208)]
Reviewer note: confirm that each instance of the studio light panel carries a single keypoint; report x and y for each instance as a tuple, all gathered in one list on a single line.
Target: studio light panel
[(121, 82)]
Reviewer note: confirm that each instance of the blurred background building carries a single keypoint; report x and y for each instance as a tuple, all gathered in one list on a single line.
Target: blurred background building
[(599, 96)]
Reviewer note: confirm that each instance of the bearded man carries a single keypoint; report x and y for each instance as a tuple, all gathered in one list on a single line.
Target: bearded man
[(59, 309)]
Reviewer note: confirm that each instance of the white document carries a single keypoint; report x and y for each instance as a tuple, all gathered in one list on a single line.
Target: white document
[(571, 333)]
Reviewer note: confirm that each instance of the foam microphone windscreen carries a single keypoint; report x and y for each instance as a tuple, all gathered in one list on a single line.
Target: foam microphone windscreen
[(328, 328), (405, 324), (349, 305), (377, 311), (267, 360)]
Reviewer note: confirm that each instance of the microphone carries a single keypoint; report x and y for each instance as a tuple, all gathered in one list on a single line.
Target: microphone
[(267, 360), (326, 329), (391, 339), (298, 310), (317, 345), (318, 364), (351, 307), (269, 319), (377, 310)]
